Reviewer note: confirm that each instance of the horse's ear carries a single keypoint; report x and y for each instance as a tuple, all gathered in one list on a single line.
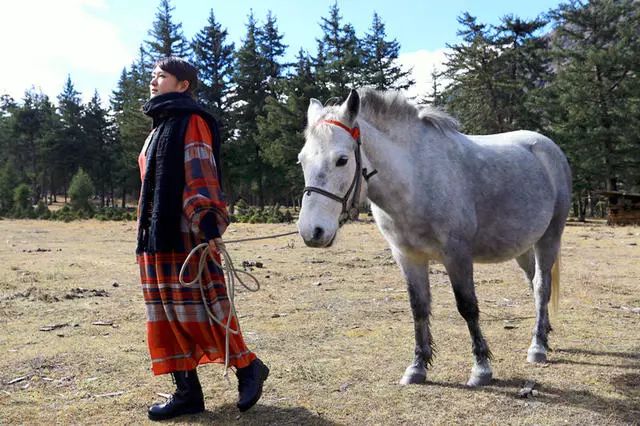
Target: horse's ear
[(314, 110), (351, 106)]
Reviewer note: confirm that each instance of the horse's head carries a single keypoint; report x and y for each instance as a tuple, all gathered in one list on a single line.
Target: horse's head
[(331, 165)]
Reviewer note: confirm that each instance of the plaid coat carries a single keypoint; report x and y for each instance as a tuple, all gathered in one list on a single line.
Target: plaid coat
[(180, 335)]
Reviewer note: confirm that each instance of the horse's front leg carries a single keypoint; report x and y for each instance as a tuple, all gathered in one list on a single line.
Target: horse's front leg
[(416, 274), (459, 265)]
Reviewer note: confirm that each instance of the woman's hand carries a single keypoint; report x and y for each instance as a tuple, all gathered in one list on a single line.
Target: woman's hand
[(215, 245)]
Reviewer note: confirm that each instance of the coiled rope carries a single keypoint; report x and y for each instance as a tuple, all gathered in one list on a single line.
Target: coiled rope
[(232, 276)]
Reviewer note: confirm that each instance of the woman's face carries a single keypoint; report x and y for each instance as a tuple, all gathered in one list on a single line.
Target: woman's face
[(162, 82)]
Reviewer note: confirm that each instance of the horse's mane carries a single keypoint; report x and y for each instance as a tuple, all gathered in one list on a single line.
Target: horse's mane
[(380, 106)]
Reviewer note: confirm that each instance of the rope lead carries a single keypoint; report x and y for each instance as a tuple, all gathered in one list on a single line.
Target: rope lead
[(231, 275)]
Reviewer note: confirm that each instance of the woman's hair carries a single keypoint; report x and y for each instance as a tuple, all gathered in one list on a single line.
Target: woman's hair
[(182, 69)]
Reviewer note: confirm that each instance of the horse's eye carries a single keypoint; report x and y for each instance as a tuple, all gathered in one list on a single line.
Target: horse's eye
[(342, 161)]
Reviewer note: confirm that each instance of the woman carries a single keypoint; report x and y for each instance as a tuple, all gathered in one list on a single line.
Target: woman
[(181, 206)]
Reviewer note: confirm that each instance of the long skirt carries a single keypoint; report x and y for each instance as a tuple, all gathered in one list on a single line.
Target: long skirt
[(180, 334)]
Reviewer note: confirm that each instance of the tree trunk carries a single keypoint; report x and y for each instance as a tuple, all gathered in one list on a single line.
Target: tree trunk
[(605, 121), (260, 177), (581, 209), (111, 194)]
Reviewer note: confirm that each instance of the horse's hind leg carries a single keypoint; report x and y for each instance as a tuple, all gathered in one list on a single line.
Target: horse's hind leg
[(527, 262), (546, 253), (416, 275), (459, 266)]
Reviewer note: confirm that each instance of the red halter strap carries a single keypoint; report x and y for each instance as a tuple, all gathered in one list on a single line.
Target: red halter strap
[(354, 132)]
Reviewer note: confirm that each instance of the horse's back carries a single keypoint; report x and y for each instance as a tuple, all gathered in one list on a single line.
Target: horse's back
[(511, 145), (521, 182)]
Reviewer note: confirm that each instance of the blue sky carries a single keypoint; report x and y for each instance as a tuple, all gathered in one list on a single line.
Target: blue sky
[(92, 40)]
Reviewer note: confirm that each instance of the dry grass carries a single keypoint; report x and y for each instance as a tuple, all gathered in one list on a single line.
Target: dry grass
[(338, 345)]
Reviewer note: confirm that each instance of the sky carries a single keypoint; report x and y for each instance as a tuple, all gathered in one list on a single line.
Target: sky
[(44, 41)]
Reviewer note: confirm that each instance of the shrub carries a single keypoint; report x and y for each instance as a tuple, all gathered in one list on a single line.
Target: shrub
[(8, 180), (65, 214), (241, 208), (273, 214), (114, 213), (81, 190), (22, 197), (22, 202), (42, 211)]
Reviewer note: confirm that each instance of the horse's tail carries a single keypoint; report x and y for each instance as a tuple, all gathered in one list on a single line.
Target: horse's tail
[(555, 286)]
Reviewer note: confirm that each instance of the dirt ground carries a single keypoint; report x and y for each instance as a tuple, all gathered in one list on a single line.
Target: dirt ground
[(334, 325)]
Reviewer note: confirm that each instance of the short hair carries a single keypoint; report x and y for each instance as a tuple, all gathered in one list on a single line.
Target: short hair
[(181, 69)]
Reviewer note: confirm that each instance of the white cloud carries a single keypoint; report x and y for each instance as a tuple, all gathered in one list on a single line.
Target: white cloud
[(43, 41), (423, 63)]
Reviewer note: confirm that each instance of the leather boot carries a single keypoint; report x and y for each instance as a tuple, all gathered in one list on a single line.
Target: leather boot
[(250, 380), (187, 399)]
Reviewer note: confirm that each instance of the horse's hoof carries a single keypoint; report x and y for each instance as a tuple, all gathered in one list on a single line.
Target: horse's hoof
[(537, 354), (537, 357), (416, 379), (479, 380), (414, 376)]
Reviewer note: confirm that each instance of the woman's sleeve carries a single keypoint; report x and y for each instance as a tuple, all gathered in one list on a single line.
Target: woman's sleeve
[(203, 202)]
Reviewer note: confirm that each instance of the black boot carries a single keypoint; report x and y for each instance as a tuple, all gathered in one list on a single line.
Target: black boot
[(250, 380), (187, 398)]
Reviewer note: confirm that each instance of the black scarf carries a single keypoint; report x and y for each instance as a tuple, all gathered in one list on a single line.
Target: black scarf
[(163, 184)]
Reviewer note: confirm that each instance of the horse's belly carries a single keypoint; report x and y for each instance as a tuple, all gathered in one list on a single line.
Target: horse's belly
[(505, 239), (513, 210), (489, 256)]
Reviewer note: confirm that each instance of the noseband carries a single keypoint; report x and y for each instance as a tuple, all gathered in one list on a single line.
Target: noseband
[(349, 212)]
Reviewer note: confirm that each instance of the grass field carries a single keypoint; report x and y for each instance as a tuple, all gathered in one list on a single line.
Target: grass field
[(334, 326)]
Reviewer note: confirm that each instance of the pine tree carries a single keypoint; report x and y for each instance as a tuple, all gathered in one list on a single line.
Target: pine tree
[(8, 181), (240, 153), (132, 125), (271, 47), (214, 57), (34, 125), (253, 81), (341, 65), (525, 71), (319, 63), (472, 95), (596, 94), (69, 150), (435, 96), (7, 106), (26, 128), (99, 137), (257, 76), (495, 74), (167, 38), (379, 60), (283, 127)]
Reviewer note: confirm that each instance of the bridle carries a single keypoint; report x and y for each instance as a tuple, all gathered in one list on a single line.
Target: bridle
[(349, 212)]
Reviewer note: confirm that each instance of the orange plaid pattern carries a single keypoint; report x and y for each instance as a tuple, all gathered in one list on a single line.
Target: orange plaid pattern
[(180, 335)]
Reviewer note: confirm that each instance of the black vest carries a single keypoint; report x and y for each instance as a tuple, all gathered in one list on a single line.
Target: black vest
[(163, 185)]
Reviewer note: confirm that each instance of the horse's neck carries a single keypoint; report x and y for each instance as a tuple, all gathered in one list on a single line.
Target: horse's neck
[(392, 161), (407, 161)]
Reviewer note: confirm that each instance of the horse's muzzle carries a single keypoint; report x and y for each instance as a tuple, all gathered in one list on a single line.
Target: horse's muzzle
[(318, 238)]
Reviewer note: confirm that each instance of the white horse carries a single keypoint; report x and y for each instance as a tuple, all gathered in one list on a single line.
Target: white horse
[(437, 194)]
